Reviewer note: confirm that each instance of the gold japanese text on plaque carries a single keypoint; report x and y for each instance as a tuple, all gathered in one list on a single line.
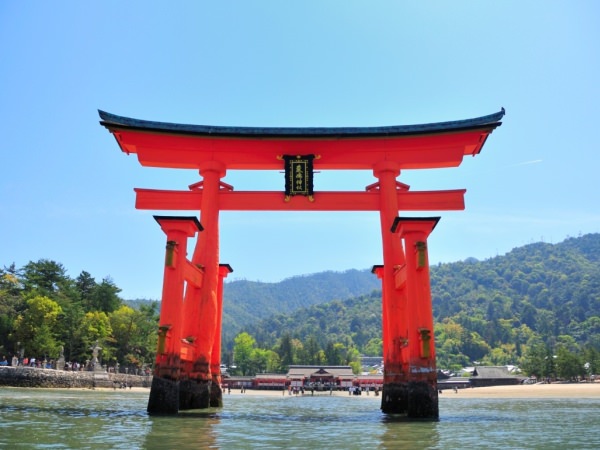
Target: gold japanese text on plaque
[(298, 175)]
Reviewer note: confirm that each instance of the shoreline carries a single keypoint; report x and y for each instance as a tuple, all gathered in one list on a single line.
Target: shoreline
[(553, 390)]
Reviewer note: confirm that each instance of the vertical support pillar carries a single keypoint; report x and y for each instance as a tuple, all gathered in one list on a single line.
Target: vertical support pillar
[(216, 397), (200, 320), (378, 271), (164, 393), (395, 395), (422, 381)]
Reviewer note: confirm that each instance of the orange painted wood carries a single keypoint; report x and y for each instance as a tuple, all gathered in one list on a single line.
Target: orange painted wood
[(215, 363), (178, 230), (414, 232), (201, 315), (400, 277), (155, 199), (422, 151), (393, 300), (193, 274)]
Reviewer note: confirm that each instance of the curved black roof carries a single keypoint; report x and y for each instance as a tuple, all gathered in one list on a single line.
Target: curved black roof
[(112, 121)]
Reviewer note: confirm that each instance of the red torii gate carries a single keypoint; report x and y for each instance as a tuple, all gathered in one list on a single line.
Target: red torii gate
[(187, 373)]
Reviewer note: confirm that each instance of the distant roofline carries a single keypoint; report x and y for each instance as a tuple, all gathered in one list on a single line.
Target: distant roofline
[(314, 366), (112, 121)]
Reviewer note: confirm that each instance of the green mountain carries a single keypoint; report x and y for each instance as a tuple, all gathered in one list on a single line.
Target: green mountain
[(246, 302), (553, 289), (492, 310)]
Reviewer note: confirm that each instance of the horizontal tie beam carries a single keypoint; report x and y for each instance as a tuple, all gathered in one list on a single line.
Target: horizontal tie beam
[(153, 199)]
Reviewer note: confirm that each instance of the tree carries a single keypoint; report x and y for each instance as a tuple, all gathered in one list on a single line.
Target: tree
[(146, 338), (538, 360), (567, 342), (95, 327), (334, 352), (104, 296), (591, 356), (286, 351), (322, 358), (243, 349), (11, 303), (36, 327), (474, 346), (71, 319), (134, 334), (124, 329), (259, 361), (47, 278), (311, 351), (374, 347), (85, 285), (10, 282), (502, 355), (353, 359), (273, 361), (568, 364)]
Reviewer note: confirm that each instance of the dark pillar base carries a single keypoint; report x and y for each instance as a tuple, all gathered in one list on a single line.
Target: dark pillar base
[(415, 399), (216, 396), (394, 398), (422, 400), (164, 396), (194, 394)]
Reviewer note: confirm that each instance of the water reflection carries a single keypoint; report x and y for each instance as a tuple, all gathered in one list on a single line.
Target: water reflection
[(401, 433), (188, 430)]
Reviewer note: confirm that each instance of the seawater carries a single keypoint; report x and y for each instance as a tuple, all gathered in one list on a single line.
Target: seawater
[(65, 419)]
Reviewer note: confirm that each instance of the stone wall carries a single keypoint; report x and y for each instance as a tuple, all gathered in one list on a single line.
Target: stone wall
[(50, 378)]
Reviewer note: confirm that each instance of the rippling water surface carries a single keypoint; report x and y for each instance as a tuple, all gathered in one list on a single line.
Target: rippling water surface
[(49, 419)]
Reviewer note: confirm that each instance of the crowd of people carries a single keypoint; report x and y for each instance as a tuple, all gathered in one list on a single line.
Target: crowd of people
[(40, 363), (28, 362)]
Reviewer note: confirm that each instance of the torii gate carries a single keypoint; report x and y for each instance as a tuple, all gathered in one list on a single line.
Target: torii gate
[(187, 372)]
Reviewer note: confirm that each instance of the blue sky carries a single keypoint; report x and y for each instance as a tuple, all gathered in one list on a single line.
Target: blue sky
[(66, 190)]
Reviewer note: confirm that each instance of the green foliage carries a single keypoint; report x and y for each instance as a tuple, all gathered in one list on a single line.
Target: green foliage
[(520, 308), (251, 359), (244, 352), (45, 277), (374, 347), (539, 290), (85, 286), (36, 327), (352, 323), (246, 302), (537, 306), (42, 309), (569, 365), (104, 296), (94, 327), (11, 303)]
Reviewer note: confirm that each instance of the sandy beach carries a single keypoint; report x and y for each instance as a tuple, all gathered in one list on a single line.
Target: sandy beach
[(555, 390)]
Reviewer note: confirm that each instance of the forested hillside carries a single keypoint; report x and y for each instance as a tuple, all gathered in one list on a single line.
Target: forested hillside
[(537, 306), (541, 292), (537, 300), (245, 302)]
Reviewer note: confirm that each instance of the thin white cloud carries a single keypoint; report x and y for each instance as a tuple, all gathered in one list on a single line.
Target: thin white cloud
[(524, 163)]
